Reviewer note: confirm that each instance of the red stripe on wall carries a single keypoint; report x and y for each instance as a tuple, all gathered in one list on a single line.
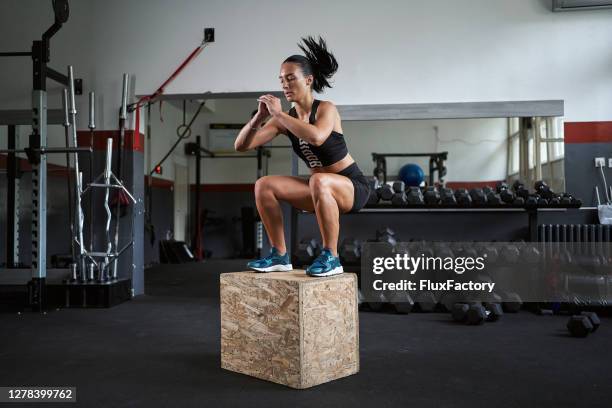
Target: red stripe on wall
[(225, 188), (471, 184), (133, 140), (588, 132)]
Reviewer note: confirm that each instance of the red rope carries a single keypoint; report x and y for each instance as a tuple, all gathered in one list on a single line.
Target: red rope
[(162, 87)]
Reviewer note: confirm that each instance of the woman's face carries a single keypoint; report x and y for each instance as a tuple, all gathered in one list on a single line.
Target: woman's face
[(293, 82)]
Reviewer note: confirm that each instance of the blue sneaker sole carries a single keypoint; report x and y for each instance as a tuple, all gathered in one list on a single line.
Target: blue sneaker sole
[(273, 268), (335, 271)]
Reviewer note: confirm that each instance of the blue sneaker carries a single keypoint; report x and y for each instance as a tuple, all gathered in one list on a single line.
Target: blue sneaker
[(326, 264), (272, 263)]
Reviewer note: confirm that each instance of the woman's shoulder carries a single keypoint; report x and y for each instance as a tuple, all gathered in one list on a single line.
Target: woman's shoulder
[(327, 106), (326, 103)]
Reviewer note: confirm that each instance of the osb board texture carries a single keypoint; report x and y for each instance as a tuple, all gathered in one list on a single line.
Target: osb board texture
[(260, 331), (330, 330), (266, 330)]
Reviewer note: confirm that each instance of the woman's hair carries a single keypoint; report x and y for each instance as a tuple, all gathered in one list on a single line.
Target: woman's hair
[(318, 62)]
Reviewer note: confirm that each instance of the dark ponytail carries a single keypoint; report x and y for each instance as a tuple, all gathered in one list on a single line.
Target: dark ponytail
[(318, 62)]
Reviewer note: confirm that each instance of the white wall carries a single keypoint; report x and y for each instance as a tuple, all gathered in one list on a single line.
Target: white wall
[(395, 51)]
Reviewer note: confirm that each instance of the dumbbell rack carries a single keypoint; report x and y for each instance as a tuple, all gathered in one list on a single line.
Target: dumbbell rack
[(532, 216)]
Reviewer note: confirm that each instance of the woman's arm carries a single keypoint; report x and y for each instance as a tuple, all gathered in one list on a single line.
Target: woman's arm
[(315, 134), (252, 136)]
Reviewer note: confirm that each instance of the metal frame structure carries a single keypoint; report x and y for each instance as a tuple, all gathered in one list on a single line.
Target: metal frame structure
[(196, 149), (37, 150), (436, 164)]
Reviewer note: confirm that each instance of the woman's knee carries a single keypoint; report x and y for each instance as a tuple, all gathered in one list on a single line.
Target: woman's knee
[(264, 186), (319, 183)]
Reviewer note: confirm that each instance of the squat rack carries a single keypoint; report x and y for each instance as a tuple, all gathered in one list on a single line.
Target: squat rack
[(196, 149), (37, 150), (436, 163)]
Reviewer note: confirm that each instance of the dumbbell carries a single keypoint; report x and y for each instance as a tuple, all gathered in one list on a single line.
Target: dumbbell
[(530, 254), (488, 251), (378, 304), (583, 324), (307, 250), (399, 199), (373, 198), (492, 198), (385, 192), (520, 190), (511, 302), (399, 186), (447, 197), (399, 194), (431, 196), (400, 302), (555, 200), (475, 313), (593, 318), (542, 202), (543, 190), (532, 200), (425, 301), (386, 235), (568, 200), (504, 192), (463, 198), (350, 251), (478, 196), (495, 311), (470, 313), (414, 196)]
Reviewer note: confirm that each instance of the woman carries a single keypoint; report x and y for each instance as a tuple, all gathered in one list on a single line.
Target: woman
[(336, 184)]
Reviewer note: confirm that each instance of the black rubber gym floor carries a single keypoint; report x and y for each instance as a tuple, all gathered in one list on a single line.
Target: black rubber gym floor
[(162, 350)]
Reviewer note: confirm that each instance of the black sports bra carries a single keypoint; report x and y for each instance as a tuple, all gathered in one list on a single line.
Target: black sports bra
[(331, 151)]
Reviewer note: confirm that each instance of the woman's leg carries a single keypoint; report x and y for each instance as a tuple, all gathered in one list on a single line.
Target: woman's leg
[(269, 190), (332, 194)]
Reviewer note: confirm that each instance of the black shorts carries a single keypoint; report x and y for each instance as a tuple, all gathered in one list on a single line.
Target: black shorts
[(360, 185)]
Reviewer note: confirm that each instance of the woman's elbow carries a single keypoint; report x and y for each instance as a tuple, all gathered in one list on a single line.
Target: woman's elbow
[(318, 141), (240, 148)]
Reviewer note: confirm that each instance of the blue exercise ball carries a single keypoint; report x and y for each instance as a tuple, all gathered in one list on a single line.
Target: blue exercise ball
[(411, 174)]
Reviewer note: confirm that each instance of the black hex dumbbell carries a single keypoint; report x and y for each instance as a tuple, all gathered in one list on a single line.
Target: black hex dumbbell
[(580, 326), (350, 251), (414, 196), (543, 190), (306, 251), (399, 194), (399, 186), (520, 190), (385, 192), (431, 196), (463, 197), (504, 192), (532, 201), (447, 197), (373, 198), (479, 198)]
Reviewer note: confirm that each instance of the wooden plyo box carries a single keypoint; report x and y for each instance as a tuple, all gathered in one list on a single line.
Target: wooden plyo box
[(289, 328)]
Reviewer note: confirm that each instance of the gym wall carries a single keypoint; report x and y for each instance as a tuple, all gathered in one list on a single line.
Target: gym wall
[(385, 53), (385, 56)]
